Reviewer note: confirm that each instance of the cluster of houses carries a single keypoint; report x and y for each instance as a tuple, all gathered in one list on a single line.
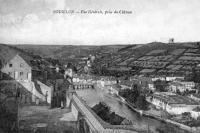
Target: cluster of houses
[(172, 103), (169, 101), (16, 68), (174, 83)]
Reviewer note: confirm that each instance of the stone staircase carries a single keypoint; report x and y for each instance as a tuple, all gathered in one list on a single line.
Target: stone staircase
[(30, 86)]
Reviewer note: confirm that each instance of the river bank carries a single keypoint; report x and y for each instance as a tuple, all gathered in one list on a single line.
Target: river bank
[(157, 117)]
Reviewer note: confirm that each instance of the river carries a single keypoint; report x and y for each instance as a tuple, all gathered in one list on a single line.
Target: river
[(93, 97)]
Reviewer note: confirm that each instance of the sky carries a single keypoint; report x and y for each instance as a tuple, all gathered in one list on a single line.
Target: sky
[(34, 22)]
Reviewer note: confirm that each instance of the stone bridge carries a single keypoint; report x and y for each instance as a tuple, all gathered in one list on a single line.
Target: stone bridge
[(78, 86)]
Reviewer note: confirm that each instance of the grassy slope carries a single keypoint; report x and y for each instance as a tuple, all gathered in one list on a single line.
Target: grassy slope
[(64, 51)]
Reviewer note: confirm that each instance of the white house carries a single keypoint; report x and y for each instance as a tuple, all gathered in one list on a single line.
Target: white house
[(182, 86), (173, 78), (195, 97), (172, 103), (195, 113), (17, 68), (114, 89)]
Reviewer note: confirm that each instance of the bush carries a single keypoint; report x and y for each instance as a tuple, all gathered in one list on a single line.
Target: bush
[(186, 114)]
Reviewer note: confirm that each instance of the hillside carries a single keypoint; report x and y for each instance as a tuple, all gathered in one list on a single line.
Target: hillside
[(154, 58), (64, 52)]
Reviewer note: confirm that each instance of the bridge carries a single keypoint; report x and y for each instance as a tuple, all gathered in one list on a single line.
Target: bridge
[(78, 86), (89, 122)]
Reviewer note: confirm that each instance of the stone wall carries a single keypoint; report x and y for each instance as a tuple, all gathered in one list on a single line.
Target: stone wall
[(74, 111), (46, 89)]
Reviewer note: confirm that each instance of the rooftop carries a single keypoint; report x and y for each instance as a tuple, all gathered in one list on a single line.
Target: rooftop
[(147, 70), (181, 83), (172, 98)]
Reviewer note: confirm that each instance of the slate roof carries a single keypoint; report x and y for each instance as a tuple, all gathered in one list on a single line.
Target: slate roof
[(5, 60), (7, 53)]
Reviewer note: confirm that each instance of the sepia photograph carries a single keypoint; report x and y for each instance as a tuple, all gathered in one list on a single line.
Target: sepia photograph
[(99, 66)]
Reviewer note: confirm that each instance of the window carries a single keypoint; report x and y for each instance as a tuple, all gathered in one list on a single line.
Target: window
[(21, 65), (10, 65), (21, 73), (9, 73)]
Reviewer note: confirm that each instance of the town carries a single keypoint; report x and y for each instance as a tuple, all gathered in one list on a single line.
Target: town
[(135, 88)]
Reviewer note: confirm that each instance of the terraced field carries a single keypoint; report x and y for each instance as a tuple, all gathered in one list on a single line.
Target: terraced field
[(157, 58)]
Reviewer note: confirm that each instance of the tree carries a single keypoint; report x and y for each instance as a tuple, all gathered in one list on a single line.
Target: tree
[(178, 92), (167, 128), (135, 91), (102, 110), (160, 85), (141, 102), (125, 93), (198, 44), (187, 115), (195, 75), (131, 94)]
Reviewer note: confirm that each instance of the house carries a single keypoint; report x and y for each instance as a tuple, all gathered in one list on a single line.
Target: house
[(17, 68), (195, 97), (173, 78), (144, 82), (158, 78), (114, 89), (168, 78), (182, 86), (172, 103)]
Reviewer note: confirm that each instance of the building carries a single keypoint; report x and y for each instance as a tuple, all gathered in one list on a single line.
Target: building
[(17, 68), (168, 78), (195, 97), (114, 89), (162, 78), (107, 81), (144, 82), (172, 103), (182, 86), (173, 78)]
